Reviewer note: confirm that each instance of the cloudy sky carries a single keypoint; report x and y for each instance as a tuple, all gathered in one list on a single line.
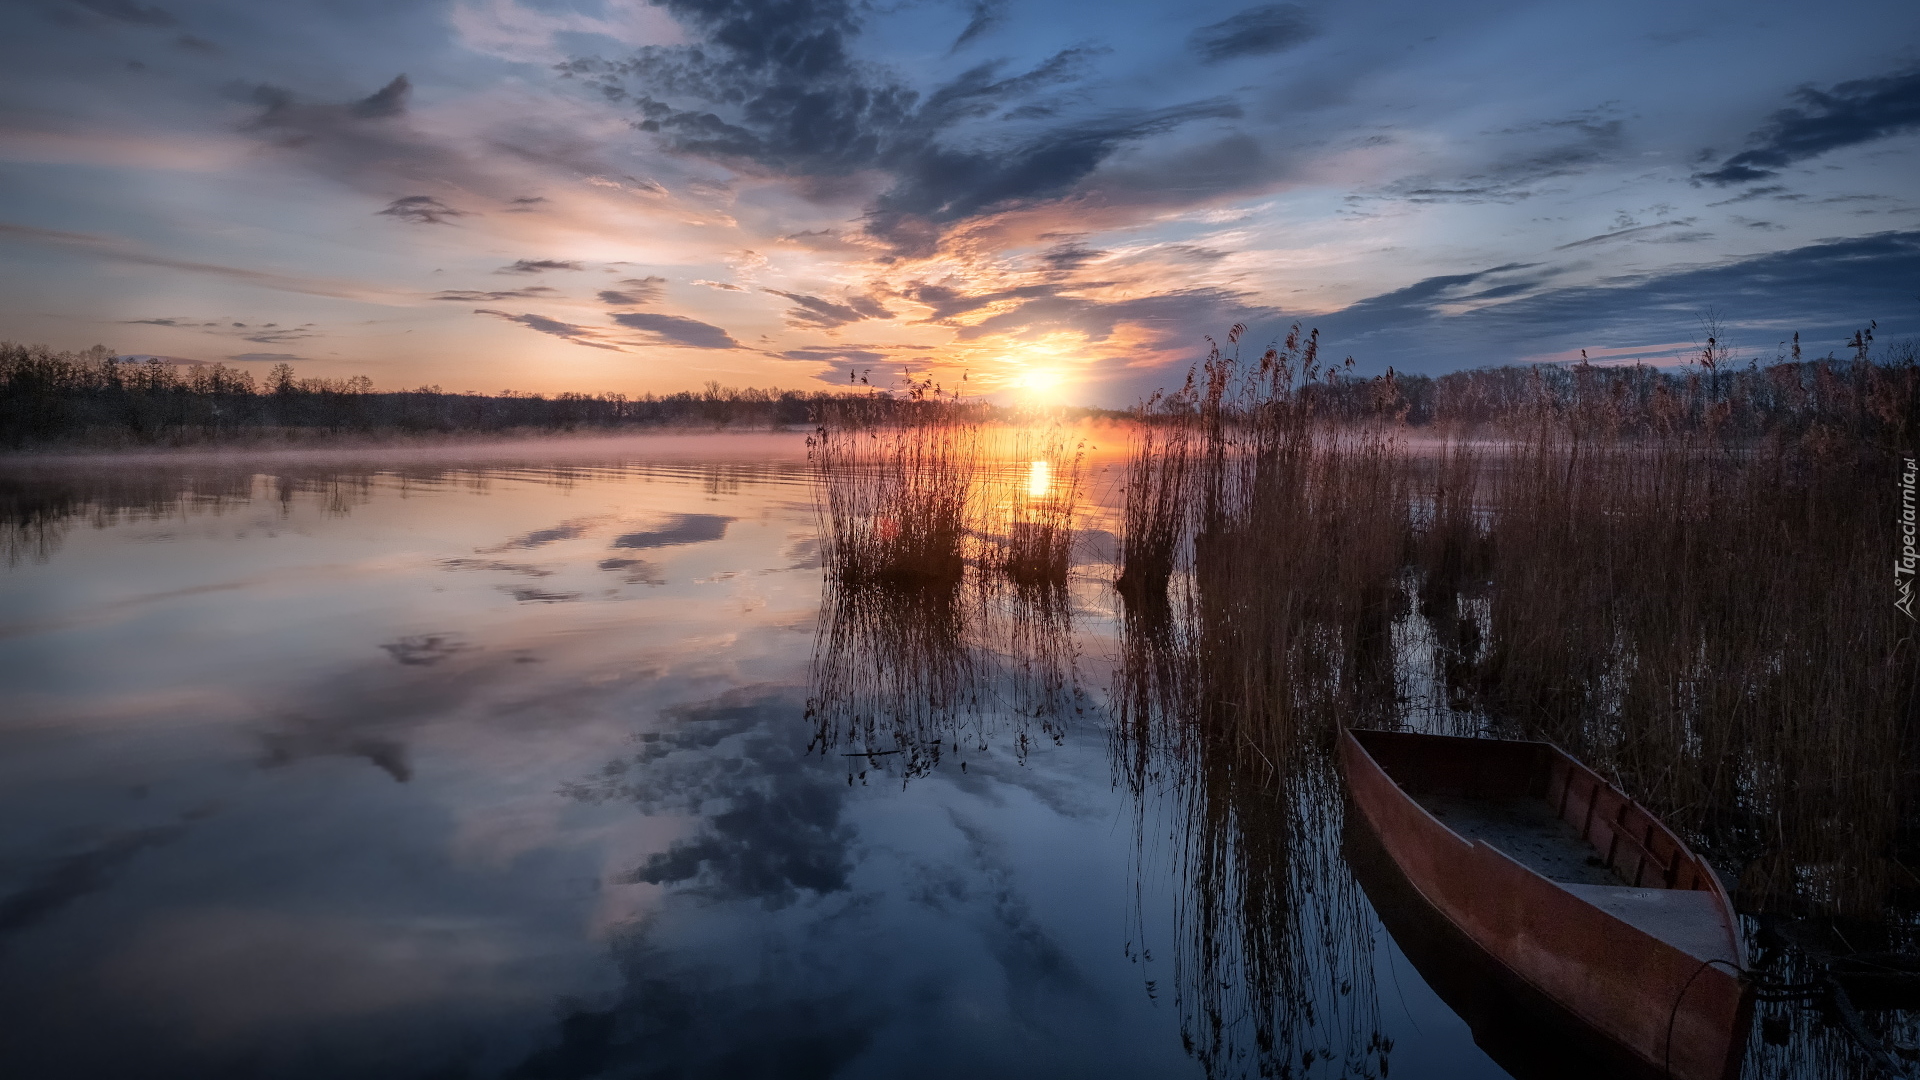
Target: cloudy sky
[(1055, 198)]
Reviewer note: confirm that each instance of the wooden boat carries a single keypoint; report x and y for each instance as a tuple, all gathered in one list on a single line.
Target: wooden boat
[(1568, 884)]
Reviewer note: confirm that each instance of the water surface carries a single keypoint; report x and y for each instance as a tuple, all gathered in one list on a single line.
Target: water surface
[(541, 761)]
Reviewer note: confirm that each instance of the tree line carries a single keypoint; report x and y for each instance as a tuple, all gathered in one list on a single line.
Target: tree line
[(95, 398)]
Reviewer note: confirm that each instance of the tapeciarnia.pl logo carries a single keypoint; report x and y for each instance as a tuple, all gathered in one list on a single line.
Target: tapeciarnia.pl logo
[(1903, 567)]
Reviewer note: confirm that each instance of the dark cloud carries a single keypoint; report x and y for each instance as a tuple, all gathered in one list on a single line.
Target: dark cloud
[(635, 292), (566, 530), (189, 43), (815, 313), (776, 90), (579, 335), (477, 296), (1823, 290), (1851, 113), (538, 266), (983, 15), (260, 333), (389, 100), (128, 12), (675, 330), (425, 650), (422, 210), (635, 571), (1631, 232), (1258, 31), (770, 845), (369, 142), (65, 880), (823, 354), (525, 204), (686, 529), (1068, 255), (267, 357), (1751, 194)]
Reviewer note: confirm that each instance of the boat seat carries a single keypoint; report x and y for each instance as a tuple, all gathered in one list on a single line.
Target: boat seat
[(1687, 919)]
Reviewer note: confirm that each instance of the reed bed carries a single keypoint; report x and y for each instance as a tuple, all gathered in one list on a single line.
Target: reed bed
[(1039, 497), (1685, 581), (897, 503), (945, 624), (1259, 566)]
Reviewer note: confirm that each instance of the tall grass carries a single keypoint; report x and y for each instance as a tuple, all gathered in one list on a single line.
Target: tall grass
[(1702, 611), (897, 504)]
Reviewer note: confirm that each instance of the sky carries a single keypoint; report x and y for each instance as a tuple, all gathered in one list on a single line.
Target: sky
[(1045, 200)]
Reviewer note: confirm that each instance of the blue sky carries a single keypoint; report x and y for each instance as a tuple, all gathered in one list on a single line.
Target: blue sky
[(618, 195)]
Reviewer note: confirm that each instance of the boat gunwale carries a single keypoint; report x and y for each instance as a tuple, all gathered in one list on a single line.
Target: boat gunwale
[(1723, 907)]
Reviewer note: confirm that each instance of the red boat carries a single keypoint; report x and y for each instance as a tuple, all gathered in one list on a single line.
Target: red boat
[(1566, 883)]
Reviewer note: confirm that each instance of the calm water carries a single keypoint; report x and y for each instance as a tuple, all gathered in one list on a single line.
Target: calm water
[(511, 764)]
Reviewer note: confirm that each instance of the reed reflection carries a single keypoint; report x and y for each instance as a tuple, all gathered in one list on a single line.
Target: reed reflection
[(1258, 582), (945, 624)]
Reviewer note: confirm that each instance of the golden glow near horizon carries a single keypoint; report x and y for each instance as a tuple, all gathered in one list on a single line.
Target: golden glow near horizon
[(1039, 480)]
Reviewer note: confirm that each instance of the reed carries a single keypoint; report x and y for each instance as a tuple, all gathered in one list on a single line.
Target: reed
[(1040, 488), (1682, 580), (897, 503)]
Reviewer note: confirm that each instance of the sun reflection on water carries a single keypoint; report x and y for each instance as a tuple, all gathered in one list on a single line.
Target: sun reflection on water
[(1039, 480)]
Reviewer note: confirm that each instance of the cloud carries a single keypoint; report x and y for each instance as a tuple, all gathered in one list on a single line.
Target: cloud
[(721, 285), (1751, 194), (369, 142), (1622, 234), (261, 333), (422, 210), (634, 292), (128, 12), (579, 335), (266, 357), (1258, 31), (776, 91), (68, 879), (122, 251), (814, 313), (539, 266), (984, 15), (853, 354), (1823, 290), (1851, 113), (389, 100), (769, 845), (674, 330), (525, 204), (476, 295), (686, 529)]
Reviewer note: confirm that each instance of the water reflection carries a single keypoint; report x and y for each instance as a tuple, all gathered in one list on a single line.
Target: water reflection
[(904, 678), (1273, 951)]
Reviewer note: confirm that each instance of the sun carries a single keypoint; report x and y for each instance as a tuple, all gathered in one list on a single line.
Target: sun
[(1040, 383)]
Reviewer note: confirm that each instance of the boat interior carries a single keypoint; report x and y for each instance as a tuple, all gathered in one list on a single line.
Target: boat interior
[(1561, 820)]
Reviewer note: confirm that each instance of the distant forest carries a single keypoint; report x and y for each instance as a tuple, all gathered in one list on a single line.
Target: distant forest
[(92, 398)]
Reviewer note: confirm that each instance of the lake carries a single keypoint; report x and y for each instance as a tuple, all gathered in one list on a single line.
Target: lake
[(547, 760)]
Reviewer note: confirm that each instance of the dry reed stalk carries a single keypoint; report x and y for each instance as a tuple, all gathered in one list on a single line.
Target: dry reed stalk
[(897, 503), (1039, 503), (1710, 624)]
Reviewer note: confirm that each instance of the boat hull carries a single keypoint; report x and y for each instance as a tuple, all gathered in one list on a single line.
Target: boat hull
[(1679, 1014)]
